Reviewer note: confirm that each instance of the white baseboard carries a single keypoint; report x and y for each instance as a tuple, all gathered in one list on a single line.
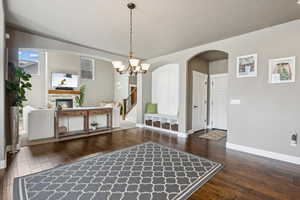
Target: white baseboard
[(3, 162), (140, 125), (9, 147), (267, 154), (178, 134)]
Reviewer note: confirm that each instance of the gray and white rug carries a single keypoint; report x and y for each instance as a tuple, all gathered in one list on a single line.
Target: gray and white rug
[(146, 171)]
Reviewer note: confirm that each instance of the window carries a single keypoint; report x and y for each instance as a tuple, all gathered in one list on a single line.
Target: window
[(29, 61), (87, 68)]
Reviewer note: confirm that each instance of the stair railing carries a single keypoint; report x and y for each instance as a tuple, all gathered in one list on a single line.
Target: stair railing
[(129, 103)]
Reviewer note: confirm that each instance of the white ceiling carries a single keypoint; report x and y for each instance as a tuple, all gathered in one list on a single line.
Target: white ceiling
[(160, 26)]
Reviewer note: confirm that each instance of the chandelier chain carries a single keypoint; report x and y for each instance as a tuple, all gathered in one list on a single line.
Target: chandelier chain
[(135, 65), (131, 24)]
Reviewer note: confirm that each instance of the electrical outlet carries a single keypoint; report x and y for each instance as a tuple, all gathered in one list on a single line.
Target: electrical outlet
[(294, 139), (235, 101)]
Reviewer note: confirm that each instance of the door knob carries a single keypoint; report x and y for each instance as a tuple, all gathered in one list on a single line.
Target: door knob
[(195, 106)]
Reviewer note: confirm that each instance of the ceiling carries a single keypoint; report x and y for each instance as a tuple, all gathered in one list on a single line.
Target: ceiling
[(160, 26)]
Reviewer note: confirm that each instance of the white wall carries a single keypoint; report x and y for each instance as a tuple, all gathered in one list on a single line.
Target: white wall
[(268, 113), (2, 89), (165, 89)]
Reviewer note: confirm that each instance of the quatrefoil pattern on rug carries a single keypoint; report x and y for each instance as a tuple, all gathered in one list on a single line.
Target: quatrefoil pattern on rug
[(143, 172)]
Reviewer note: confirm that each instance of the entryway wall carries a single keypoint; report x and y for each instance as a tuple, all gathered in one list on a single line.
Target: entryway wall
[(211, 63)]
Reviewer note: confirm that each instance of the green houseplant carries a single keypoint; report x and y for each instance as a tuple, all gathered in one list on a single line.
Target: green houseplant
[(16, 89), (80, 99)]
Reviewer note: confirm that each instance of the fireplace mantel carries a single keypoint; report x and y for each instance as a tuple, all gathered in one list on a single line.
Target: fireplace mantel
[(75, 92)]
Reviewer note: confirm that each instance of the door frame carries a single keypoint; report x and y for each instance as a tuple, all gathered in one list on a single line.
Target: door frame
[(207, 79), (211, 76)]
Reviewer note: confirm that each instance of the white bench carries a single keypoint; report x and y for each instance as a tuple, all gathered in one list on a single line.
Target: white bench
[(167, 122)]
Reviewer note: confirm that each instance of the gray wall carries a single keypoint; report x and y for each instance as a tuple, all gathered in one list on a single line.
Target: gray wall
[(218, 67), (2, 89), (268, 113), (199, 65), (100, 89), (22, 39)]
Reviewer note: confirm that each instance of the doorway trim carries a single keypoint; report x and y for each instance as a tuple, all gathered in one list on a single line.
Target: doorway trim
[(210, 96)]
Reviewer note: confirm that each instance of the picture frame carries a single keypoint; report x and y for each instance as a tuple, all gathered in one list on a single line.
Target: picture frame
[(247, 66), (282, 70)]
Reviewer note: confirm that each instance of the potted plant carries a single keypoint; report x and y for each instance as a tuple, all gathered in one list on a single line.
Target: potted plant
[(80, 99), (94, 125), (16, 89)]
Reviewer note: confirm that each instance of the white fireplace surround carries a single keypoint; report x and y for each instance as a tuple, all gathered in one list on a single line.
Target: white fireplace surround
[(53, 97)]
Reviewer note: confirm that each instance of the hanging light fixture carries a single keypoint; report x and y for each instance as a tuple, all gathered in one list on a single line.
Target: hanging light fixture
[(135, 65)]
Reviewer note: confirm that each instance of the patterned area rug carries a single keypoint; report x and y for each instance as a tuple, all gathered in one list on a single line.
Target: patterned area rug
[(146, 171), (214, 135)]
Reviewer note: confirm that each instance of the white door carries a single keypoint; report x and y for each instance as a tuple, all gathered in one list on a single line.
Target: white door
[(199, 105), (218, 101)]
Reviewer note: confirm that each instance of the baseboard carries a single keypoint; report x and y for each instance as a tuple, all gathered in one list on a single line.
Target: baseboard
[(140, 125), (267, 154), (3, 162), (9, 147), (178, 134)]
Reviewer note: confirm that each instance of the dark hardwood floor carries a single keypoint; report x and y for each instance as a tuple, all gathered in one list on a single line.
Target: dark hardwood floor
[(244, 177)]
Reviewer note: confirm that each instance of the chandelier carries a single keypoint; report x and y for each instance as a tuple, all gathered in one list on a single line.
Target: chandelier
[(135, 65)]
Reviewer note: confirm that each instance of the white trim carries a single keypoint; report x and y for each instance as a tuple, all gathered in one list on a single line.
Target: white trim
[(9, 147), (178, 134), (267, 154), (139, 125), (255, 66)]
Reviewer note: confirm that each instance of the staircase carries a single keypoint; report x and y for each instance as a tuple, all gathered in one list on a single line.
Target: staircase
[(129, 103)]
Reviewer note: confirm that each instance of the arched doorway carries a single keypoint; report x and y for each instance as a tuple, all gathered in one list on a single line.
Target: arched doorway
[(207, 82)]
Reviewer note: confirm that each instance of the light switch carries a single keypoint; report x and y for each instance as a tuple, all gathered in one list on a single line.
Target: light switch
[(235, 101)]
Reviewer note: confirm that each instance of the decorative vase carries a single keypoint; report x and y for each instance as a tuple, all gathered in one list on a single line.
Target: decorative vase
[(14, 127)]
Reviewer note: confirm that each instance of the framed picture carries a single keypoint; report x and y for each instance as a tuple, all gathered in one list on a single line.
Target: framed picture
[(247, 66), (87, 68), (282, 70)]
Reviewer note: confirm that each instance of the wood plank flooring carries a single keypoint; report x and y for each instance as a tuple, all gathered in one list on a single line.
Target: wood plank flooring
[(245, 176)]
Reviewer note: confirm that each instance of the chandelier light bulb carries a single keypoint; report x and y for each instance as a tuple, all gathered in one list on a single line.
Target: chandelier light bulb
[(117, 64), (122, 67), (145, 66), (134, 62)]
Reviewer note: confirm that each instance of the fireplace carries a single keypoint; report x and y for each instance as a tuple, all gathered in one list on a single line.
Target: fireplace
[(64, 103)]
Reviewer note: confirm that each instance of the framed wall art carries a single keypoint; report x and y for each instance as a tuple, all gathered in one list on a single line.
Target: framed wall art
[(282, 70), (247, 66)]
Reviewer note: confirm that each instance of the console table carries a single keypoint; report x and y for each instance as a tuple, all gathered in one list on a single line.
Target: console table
[(77, 121)]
